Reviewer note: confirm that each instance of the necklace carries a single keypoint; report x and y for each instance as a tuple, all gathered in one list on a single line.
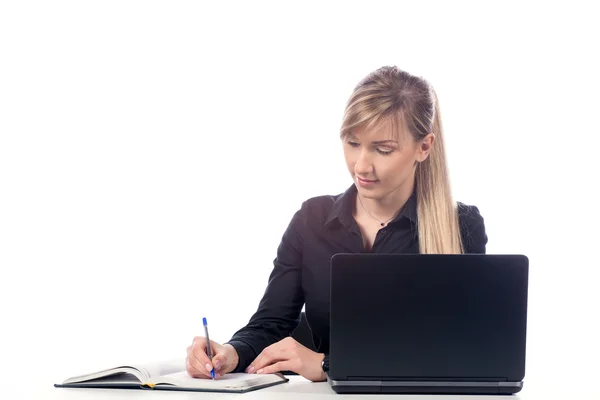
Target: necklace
[(383, 223)]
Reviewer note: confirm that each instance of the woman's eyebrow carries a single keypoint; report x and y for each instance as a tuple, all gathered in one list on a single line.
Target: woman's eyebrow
[(384, 141), (352, 136)]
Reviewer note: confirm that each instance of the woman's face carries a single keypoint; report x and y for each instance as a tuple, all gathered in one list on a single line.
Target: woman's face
[(381, 161)]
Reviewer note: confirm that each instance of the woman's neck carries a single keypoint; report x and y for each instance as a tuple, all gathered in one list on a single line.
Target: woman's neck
[(386, 207)]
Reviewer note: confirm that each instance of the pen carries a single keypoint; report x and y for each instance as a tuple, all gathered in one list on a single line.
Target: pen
[(208, 350)]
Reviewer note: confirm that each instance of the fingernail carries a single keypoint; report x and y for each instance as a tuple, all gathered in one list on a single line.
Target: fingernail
[(249, 370), (217, 364), (208, 367), (260, 371)]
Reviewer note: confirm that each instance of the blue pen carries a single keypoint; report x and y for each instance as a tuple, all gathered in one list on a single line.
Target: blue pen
[(208, 350)]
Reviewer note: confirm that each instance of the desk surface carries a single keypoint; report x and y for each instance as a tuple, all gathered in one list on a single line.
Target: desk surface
[(300, 388)]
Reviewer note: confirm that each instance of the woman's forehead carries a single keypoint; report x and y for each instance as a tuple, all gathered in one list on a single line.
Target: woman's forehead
[(387, 129)]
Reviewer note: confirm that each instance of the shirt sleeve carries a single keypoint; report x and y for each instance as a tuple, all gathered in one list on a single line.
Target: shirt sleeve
[(280, 308), (472, 229)]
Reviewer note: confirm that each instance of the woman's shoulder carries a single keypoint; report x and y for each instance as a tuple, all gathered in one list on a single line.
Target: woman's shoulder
[(319, 210), (469, 216), (321, 201), (322, 205), (468, 212), (472, 228)]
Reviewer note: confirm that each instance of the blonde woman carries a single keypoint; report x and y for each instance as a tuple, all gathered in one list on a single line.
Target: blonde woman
[(399, 202)]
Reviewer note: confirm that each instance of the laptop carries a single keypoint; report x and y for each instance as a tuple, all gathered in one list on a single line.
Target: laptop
[(420, 324)]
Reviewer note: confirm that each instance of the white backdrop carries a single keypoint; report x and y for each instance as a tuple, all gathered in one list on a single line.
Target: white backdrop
[(153, 152)]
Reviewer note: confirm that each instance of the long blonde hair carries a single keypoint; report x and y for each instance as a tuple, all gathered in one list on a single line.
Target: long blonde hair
[(389, 92)]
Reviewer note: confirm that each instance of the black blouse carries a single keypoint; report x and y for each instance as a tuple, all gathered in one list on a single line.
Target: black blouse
[(322, 227)]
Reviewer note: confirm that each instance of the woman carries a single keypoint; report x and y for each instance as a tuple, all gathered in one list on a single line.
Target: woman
[(399, 202)]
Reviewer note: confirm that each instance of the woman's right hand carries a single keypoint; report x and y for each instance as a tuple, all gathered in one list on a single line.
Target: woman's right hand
[(198, 365)]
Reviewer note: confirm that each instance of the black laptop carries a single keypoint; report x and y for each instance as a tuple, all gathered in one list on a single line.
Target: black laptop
[(410, 323)]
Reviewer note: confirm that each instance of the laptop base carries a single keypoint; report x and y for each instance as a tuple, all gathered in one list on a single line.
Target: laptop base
[(425, 387)]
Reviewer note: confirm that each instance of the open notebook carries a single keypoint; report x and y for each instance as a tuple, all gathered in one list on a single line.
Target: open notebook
[(170, 375)]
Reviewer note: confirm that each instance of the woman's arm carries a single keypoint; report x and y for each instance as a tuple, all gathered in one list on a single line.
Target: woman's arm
[(279, 310)]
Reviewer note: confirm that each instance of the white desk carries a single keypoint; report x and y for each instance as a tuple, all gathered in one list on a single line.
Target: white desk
[(300, 388)]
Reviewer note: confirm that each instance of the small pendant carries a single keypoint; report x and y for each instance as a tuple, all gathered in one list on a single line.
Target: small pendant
[(383, 224)]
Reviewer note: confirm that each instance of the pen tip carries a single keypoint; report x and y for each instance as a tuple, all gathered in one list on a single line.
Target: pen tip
[(204, 321)]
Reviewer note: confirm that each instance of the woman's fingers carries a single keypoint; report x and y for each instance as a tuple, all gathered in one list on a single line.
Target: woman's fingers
[(280, 351), (198, 364), (287, 365)]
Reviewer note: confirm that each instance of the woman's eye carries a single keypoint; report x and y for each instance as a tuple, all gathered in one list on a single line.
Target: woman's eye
[(385, 152), (353, 144)]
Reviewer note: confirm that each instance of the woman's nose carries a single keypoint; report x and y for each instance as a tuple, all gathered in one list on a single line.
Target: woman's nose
[(364, 164)]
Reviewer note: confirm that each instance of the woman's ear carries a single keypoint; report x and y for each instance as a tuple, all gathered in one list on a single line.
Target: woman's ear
[(424, 147)]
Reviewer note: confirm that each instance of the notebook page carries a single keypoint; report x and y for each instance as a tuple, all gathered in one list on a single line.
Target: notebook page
[(161, 368), (120, 374), (234, 381)]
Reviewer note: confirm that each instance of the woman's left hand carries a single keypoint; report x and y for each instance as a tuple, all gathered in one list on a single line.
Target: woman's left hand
[(289, 355)]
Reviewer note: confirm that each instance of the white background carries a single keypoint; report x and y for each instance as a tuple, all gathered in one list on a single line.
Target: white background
[(152, 154)]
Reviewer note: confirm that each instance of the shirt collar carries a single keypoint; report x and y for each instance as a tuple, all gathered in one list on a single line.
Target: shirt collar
[(343, 206)]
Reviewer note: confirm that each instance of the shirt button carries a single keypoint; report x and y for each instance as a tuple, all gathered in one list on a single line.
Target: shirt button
[(383, 231)]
